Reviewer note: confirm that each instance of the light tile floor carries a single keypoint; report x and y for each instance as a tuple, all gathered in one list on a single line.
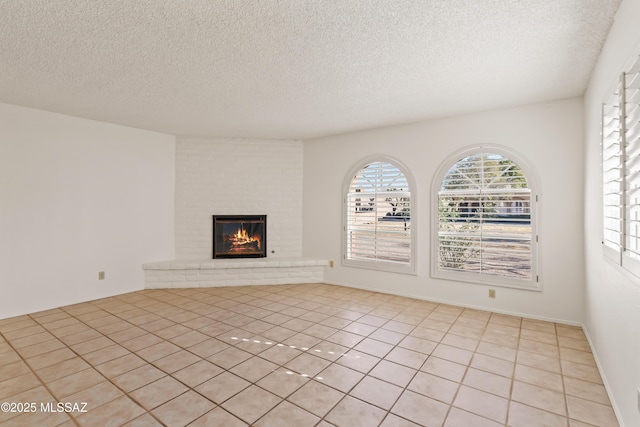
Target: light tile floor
[(293, 355)]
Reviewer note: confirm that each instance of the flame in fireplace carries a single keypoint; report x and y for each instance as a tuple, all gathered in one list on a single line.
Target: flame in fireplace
[(242, 237)]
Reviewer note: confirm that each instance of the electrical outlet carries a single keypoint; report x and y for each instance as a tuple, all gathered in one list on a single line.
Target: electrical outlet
[(330, 263), (492, 293), (100, 275)]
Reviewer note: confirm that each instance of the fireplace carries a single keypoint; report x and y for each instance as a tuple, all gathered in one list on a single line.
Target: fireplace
[(239, 236)]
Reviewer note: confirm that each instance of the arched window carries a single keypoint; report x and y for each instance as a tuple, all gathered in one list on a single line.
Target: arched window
[(485, 219), (378, 230)]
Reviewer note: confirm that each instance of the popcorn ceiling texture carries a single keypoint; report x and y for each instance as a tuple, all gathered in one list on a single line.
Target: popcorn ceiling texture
[(291, 68)]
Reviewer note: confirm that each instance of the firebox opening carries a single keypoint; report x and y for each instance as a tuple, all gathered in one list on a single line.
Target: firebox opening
[(239, 236)]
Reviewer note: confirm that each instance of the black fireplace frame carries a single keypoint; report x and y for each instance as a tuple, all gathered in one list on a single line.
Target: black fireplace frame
[(218, 223)]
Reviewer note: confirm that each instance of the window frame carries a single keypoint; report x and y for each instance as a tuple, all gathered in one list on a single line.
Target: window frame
[(621, 231), (535, 282), (389, 266)]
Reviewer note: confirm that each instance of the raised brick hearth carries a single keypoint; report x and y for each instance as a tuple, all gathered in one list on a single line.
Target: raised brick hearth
[(233, 272)]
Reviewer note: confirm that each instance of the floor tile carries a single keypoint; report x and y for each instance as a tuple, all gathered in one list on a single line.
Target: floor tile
[(62, 369), (374, 347), (453, 354), (316, 398), (254, 369), (278, 334), (35, 350), (405, 357), (282, 382), (538, 361), (345, 338), (307, 364), (444, 368), (158, 392), (196, 374), (119, 366), (328, 350), (138, 377), (460, 418), (339, 377), (486, 381), (541, 378), (420, 409), (493, 365), (141, 342), (251, 403), (95, 396), (176, 361), (183, 409), (497, 351), (218, 417), (524, 416), (145, 420), (286, 414), (434, 387), (358, 361), (157, 351), (302, 341), (417, 344), (392, 420), (580, 371), (94, 344), (229, 358), (19, 384), (73, 383), (208, 347), (386, 336), (586, 390), (481, 403), (591, 412), (538, 397), (392, 372), (576, 344), (116, 412), (550, 350), (50, 358), (351, 412), (377, 392), (222, 387), (360, 328), (106, 354)]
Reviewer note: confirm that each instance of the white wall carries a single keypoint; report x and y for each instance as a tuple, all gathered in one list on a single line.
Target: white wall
[(238, 177), (612, 315), (549, 135), (78, 197)]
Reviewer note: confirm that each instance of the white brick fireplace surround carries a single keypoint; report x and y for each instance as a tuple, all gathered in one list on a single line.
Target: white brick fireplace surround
[(236, 177), (233, 272)]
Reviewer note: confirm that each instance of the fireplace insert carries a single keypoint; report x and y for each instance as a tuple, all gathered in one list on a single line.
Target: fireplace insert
[(239, 236)]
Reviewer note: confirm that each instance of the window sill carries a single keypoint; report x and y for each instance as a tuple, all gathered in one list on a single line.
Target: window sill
[(381, 266), (527, 285)]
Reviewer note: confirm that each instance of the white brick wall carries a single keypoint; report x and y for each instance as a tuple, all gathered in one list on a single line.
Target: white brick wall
[(238, 177)]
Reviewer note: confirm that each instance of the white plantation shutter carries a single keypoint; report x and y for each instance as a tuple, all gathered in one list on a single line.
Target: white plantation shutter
[(621, 170), (378, 216), (630, 131), (484, 221), (612, 176)]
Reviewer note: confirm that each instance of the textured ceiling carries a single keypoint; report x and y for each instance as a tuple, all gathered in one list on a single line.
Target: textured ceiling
[(293, 68)]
